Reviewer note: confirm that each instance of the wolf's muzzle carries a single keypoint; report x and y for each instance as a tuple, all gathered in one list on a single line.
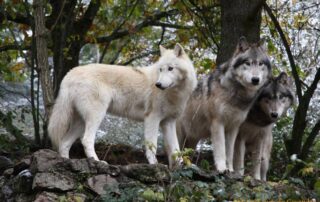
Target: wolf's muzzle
[(255, 80), (274, 115), (158, 84)]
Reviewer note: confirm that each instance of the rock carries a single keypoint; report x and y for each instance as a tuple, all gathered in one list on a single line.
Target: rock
[(22, 183), (45, 160), (8, 173), (83, 165), (6, 193), (46, 197), (98, 183), (104, 168), (2, 180), (53, 181), (23, 197), (22, 165), (5, 163), (148, 173)]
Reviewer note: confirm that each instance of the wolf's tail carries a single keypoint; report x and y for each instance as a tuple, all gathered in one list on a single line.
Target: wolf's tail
[(60, 118)]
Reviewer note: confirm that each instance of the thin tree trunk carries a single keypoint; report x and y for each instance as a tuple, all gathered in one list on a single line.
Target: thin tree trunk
[(42, 54), (42, 60)]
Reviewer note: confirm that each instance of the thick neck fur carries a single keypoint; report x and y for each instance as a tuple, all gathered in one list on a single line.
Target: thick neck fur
[(258, 117), (239, 96), (176, 93)]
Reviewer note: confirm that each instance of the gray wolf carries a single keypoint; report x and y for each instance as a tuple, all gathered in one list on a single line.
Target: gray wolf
[(221, 102), (255, 134), (156, 95)]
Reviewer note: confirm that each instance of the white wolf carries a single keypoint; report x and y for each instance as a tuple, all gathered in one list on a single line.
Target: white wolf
[(255, 134), (156, 95), (222, 101)]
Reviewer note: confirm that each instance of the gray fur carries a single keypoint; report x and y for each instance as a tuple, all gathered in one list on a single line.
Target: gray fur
[(255, 134), (227, 94)]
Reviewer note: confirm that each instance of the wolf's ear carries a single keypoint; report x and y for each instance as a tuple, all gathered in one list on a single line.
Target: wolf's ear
[(262, 44), (242, 44), (284, 79), (178, 50), (162, 50)]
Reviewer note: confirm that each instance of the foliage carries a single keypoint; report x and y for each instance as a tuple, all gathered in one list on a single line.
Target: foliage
[(129, 32), (184, 187)]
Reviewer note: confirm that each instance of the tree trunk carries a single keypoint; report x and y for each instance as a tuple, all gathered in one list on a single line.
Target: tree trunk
[(42, 59), (68, 36), (238, 18)]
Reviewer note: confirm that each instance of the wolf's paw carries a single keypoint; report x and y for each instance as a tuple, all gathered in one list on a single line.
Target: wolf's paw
[(221, 168)]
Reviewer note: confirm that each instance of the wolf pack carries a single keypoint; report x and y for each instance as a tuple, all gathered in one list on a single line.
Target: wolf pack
[(235, 106)]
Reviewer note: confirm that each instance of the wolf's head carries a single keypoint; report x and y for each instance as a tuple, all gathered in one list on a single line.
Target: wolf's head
[(276, 97), (174, 67), (250, 64)]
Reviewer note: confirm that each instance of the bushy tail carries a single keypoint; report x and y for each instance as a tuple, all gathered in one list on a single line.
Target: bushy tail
[(60, 118)]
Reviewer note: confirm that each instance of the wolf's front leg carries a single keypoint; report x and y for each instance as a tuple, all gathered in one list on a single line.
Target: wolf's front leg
[(151, 130), (238, 158), (256, 162), (171, 142), (218, 143), (230, 141), (266, 152)]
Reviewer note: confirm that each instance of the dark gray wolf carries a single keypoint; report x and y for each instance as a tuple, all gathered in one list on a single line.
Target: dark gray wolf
[(255, 134), (222, 101)]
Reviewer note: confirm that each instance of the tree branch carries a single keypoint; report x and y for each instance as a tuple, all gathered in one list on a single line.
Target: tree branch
[(14, 47), (309, 93), (147, 22), (168, 25), (309, 141), (287, 48), (139, 57), (17, 18), (85, 22)]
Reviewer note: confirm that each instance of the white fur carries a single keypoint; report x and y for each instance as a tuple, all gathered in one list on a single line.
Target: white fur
[(88, 92)]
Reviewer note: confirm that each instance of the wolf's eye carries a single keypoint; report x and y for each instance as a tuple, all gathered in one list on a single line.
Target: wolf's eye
[(281, 97), (260, 63), (247, 63), (170, 68)]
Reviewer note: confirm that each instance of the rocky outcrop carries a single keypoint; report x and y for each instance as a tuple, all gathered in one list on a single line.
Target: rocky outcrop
[(45, 176)]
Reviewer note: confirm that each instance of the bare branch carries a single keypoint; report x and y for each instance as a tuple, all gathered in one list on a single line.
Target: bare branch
[(17, 18), (85, 22), (149, 21), (168, 25), (287, 48), (14, 47), (162, 35), (310, 140), (140, 56)]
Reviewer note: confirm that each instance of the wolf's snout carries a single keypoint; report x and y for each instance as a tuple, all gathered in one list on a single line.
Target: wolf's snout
[(255, 80), (274, 115), (158, 84)]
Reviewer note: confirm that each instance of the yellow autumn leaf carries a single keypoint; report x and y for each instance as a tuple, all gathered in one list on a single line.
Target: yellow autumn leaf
[(17, 67), (186, 161), (307, 171)]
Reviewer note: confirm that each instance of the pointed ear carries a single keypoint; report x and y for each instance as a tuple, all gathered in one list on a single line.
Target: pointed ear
[(178, 50), (162, 50), (242, 44), (262, 44), (284, 79)]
